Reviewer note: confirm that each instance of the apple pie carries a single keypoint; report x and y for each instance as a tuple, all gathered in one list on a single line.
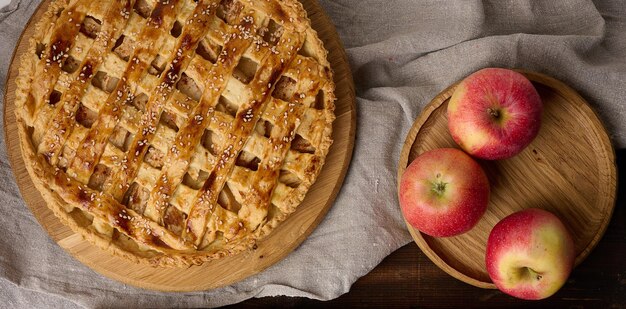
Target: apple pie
[(174, 132)]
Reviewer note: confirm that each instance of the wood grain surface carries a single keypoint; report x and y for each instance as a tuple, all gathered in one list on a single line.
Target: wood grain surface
[(569, 169), (228, 270)]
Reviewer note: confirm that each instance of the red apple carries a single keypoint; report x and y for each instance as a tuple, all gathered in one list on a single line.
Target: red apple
[(443, 192), (494, 113), (530, 254)]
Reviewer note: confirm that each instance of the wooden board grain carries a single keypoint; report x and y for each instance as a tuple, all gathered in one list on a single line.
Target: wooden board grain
[(569, 169), (228, 270)]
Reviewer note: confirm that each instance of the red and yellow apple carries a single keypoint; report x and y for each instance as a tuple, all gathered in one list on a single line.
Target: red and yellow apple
[(494, 113), (443, 192), (530, 254)]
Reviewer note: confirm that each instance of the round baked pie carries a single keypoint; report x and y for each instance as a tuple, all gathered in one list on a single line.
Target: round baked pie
[(174, 132)]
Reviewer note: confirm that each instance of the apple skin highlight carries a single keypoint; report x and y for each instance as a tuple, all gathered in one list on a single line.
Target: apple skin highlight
[(460, 203), (494, 113), (530, 254)]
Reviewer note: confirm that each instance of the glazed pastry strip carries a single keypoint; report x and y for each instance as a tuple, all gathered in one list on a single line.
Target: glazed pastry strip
[(285, 18), (307, 70), (49, 67), (192, 33), (266, 178), (287, 119), (92, 146), (245, 120), (61, 124), (179, 155)]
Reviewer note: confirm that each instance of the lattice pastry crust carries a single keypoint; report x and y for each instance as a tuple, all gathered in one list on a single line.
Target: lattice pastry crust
[(174, 132)]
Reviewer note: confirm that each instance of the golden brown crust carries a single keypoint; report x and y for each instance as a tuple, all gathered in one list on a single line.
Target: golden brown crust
[(174, 208)]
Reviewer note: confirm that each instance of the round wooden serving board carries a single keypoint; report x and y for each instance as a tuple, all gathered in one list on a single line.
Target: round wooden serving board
[(569, 169), (228, 270)]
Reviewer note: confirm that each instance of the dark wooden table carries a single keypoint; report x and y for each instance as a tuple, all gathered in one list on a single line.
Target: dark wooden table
[(407, 278)]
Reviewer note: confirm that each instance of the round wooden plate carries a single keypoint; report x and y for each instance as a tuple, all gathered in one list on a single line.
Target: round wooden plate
[(228, 270), (568, 169)]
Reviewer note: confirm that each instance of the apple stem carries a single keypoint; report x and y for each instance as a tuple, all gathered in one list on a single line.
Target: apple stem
[(494, 113), (527, 271)]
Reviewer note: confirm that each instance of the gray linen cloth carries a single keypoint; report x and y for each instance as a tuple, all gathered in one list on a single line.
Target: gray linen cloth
[(402, 54)]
